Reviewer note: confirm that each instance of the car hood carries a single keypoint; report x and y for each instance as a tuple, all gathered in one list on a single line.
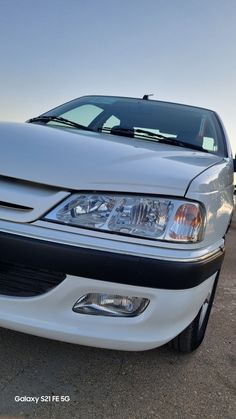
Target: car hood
[(72, 159)]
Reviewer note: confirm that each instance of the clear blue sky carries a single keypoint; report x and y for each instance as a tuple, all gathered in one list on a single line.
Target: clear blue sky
[(54, 50)]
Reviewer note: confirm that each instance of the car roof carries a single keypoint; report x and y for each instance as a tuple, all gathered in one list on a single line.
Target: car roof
[(150, 100)]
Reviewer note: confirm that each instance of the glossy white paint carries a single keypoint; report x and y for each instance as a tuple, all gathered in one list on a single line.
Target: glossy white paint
[(82, 160), (34, 200), (39, 166), (214, 188), (51, 316)]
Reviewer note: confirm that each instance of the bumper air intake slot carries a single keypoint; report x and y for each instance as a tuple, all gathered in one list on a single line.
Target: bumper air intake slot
[(23, 281)]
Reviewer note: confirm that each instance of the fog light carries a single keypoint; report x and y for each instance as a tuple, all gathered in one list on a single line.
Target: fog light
[(110, 305)]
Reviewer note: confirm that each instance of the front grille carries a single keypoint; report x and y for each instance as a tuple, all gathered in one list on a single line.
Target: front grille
[(23, 281), (20, 203)]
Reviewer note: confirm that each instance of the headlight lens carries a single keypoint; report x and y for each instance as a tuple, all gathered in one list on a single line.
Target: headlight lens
[(142, 216)]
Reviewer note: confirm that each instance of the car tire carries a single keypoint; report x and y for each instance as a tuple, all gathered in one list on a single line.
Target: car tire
[(191, 337)]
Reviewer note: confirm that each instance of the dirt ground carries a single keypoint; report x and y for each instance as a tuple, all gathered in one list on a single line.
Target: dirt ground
[(108, 384)]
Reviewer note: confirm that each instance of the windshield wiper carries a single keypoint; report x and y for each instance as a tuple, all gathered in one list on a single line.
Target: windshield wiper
[(128, 132), (60, 119), (172, 141), (152, 136), (122, 130)]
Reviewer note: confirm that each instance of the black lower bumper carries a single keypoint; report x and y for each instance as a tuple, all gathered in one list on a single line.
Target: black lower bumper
[(106, 266)]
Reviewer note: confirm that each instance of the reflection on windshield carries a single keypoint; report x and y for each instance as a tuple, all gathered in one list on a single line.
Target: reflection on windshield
[(178, 124)]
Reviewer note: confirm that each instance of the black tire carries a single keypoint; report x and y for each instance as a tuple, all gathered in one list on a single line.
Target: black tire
[(192, 337)]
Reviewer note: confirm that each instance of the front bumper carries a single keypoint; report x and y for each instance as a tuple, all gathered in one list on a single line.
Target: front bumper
[(176, 290), (50, 315), (108, 266)]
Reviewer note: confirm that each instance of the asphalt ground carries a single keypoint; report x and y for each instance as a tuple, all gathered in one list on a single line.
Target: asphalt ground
[(112, 384)]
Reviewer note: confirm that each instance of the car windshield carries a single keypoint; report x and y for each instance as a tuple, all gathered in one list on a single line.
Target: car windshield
[(149, 120)]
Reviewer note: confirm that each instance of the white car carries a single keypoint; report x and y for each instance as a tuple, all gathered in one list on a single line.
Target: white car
[(113, 215)]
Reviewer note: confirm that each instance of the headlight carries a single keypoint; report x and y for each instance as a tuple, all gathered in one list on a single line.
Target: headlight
[(142, 216)]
